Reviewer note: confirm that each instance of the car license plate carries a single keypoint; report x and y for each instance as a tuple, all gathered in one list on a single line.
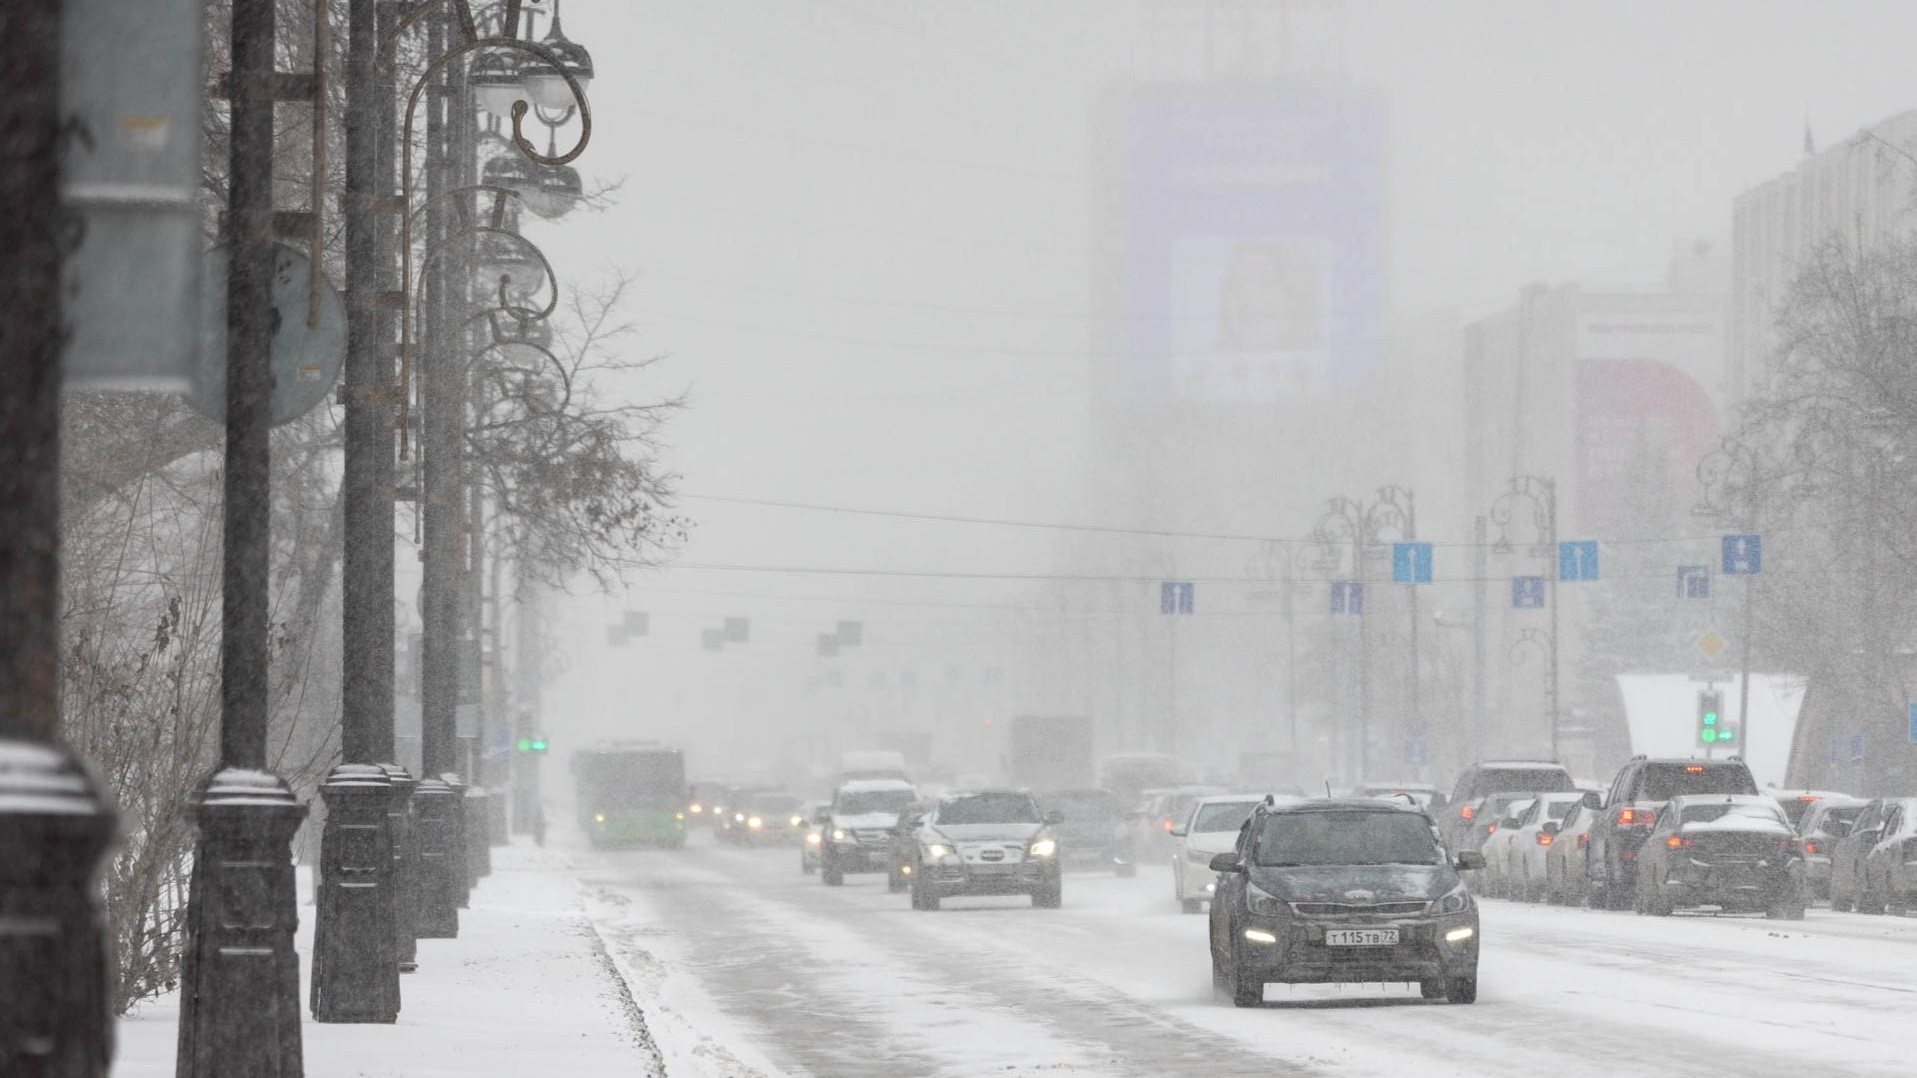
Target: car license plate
[(1361, 937)]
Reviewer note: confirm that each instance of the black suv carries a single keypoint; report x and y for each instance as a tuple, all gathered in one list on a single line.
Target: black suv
[(1342, 891), (1631, 805), (1463, 822)]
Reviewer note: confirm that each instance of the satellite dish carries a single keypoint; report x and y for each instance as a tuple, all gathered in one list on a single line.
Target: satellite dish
[(305, 359)]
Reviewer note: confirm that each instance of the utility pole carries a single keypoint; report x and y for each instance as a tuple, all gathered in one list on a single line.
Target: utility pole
[(239, 983), (355, 960), (1480, 569), (54, 1020)]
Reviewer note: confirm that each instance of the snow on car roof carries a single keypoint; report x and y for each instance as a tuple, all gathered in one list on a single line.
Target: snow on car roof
[(862, 785)]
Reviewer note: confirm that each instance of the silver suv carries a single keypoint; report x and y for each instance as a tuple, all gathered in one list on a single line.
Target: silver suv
[(857, 828)]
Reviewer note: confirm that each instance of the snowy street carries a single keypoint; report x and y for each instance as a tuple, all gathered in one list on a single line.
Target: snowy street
[(745, 966)]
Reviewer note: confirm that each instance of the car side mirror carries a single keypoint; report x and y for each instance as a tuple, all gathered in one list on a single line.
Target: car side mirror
[(1470, 861), (1226, 862), (1550, 827), (823, 815), (1054, 818)]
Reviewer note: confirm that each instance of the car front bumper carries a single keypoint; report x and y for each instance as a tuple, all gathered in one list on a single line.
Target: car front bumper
[(1299, 954), (953, 877), (850, 858)]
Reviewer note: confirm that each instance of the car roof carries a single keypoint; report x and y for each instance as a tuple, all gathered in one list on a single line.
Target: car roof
[(1725, 799), (866, 785), (1230, 799), (1345, 804), (953, 795), (1508, 765)]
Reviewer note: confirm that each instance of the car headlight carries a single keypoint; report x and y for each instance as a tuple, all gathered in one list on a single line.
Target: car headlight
[(840, 834), (796, 820), (1457, 901), (937, 851), (697, 808), (1261, 901), (738, 817), (755, 823), (598, 817), (813, 839), (1044, 847)]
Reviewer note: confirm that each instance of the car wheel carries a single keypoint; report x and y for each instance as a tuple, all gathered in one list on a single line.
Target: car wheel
[(1841, 903), (1432, 989), (1462, 989), (1049, 897), (830, 873), (1220, 976)]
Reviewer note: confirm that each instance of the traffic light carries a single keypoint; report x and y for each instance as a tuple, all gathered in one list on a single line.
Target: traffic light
[(1710, 730), (532, 744)]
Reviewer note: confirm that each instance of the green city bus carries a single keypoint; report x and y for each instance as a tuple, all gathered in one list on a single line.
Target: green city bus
[(631, 793)]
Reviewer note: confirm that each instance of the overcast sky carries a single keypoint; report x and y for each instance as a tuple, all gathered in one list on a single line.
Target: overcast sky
[(862, 227)]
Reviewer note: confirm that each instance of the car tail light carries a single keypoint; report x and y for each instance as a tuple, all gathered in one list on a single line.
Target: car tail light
[(1693, 769), (1584, 840), (1168, 825), (1491, 830), (1635, 817), (1544, 838), (1467, 812), (1811, 846), (1789, 845), (1678, 842), (1808, 797)]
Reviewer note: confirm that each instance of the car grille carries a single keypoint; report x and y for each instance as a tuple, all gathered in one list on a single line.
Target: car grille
[(1374, 909), (873, 837), (992, 853)]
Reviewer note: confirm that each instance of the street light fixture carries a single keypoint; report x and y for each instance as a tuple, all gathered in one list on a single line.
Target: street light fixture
[(548, 88)]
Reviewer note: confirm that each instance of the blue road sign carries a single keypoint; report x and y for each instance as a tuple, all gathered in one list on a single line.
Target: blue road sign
[(1411, 563), (1743, 555), (1347, 597), (1693, 581), (1175, 597), (1417, 752), (1578, 560), (1527, 593), (1911, 720), (1857, 748)]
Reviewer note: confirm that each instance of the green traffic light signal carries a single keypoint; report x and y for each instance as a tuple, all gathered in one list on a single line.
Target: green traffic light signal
[(539, 744), (525, 744)]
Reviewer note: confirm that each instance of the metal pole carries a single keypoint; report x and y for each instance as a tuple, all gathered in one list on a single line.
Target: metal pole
[(1744, 673), (1411, 533), (239, 996), (441, 853), (1551, 599), (1291, 652), (1364, 644), (355, 963), (53, 973), (1480, 568)]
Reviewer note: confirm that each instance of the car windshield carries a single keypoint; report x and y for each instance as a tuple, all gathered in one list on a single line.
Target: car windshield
[(1837, 820), (988, 807), (1085, 805), (1750, 810), (1346, 838), (1795, 808), (862, 802), (1222, 816), (1661, 782)]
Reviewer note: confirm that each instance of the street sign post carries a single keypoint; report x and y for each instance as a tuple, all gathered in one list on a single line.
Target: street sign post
[(1347, 597), (1411, 563), (1578, 560), (1693, 581), (1910, 720), (1527, 593), (1743, 555), (1175, 597), (1857, 748)]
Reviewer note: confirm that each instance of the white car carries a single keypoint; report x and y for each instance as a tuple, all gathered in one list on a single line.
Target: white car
[(1211, 827), (1524, 874), (1497, 844)]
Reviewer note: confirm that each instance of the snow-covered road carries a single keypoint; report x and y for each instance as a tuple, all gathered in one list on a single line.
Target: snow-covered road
[(749, 967)]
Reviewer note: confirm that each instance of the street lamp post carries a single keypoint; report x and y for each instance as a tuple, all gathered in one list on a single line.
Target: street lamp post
[(1541, 495), (1361, 523), (57, 821)]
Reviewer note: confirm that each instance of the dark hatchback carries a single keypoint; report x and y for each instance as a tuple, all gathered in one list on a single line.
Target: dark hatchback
[(1089, 822), (1342, 891)]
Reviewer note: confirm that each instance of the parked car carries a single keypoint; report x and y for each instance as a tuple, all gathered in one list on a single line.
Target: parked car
[(1847, 856), (1342, 891), (1089, 825), (1146, 837), (1564, 869), (1523, 844), (1890, 880), (1488, 816), (1823, 825), (1497, 842), (858, 827), (1458, 820), (986, 842), (1210, 829), (1637, 794), (1737, 852)]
